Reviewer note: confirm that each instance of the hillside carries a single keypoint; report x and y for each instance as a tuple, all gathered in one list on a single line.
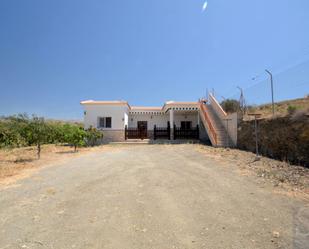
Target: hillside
[(285, 137), (281, 108)]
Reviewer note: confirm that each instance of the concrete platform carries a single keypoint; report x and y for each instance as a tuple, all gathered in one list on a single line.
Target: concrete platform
[(158, 141)]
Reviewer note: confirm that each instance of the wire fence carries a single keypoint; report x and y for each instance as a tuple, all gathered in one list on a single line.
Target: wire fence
[(291, 83)]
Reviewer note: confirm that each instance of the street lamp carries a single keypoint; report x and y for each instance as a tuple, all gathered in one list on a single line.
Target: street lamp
[(272, 90), (256, 116)]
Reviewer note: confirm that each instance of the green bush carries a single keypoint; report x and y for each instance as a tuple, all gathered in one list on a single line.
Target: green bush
[(74, 135), (37, 132), (230, 105), (291, 109), (10, 137), (92, 136), (22, 130)]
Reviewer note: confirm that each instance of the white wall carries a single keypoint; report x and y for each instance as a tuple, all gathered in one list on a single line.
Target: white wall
[(161, 120), (178, 117), (121, 117), (119, 114), (232, 127), (126, 119)]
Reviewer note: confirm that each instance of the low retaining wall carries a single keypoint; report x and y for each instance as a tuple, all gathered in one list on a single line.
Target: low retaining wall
[(113, 136), (204, 138), (285, 138)]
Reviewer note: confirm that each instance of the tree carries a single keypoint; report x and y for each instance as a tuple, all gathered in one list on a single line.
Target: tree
[(56, 133), (92, 136), (38, 132), (8, 136), (230, 105), (18, 126), (74, 135), (21, 130)]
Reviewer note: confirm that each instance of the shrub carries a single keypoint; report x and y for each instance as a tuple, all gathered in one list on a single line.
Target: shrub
[(17, 126), (56, 133), (22, 130), (291, 109), (92, 136), (9, 137), (230, 105), (74, 135), (38, 132), (279, 138)]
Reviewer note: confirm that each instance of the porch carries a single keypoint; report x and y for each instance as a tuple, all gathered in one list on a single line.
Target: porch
[(154, 124), (162, 133)]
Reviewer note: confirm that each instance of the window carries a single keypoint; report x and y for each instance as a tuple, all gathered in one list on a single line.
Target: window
[(104, 122), (186, 125)]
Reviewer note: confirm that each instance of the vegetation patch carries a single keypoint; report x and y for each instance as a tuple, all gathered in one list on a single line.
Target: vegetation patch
[(24, 139), (22, 130), (284, 138)]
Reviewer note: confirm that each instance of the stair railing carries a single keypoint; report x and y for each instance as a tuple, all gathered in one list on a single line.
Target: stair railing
[(209, 124), (218, 108)]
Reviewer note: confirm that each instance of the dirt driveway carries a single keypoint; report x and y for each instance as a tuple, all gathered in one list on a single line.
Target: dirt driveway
[(148, 196)]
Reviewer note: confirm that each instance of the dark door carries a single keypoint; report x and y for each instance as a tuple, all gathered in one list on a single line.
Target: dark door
[(142, 129), (185, 125)]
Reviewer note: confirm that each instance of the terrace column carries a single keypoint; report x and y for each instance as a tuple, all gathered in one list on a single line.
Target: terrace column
[(198, 118), (172, 123)]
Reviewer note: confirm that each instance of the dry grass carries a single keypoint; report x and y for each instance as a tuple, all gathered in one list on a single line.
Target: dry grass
[(280, 174), (281, 108), (20, 162)]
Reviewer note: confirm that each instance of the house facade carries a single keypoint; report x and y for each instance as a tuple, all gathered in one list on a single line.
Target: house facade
[(173, 120), (120, 121)]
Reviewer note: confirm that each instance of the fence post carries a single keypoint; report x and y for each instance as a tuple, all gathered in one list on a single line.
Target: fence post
[(154, 132), (197, 132), (174, 132), (125, 132), (168, 131)]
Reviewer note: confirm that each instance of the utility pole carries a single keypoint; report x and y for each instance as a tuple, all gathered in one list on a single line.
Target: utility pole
[(272, 90), (256, 115), (241, 100)]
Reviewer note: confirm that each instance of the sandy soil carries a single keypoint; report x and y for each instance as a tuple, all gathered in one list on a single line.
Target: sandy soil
[(150, 196), (291, 179), (19, 163)]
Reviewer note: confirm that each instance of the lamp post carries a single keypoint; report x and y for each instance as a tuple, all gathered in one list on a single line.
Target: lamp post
[(241, 100), (272, 90), (256, 115)]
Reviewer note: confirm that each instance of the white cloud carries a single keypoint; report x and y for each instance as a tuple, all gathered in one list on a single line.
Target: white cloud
[(204, 6)]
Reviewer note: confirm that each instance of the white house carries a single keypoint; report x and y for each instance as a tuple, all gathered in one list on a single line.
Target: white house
[(174, 120)]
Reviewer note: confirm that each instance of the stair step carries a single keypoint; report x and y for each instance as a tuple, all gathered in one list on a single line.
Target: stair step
[(222, 137)]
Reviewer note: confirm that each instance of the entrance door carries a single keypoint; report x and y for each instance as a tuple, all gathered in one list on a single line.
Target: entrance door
[(186, 125), (142, 129)]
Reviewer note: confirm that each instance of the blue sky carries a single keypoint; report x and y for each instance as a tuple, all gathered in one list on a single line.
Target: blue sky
[(53, 54)]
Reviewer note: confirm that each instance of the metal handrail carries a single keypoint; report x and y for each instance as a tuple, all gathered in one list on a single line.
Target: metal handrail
[(207, 119), (213, 100)]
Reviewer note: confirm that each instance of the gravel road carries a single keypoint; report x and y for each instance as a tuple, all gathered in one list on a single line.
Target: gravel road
[(148, 196)]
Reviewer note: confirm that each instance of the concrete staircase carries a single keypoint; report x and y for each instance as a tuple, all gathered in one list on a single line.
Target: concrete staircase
[(214, 126), (222, 135)]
